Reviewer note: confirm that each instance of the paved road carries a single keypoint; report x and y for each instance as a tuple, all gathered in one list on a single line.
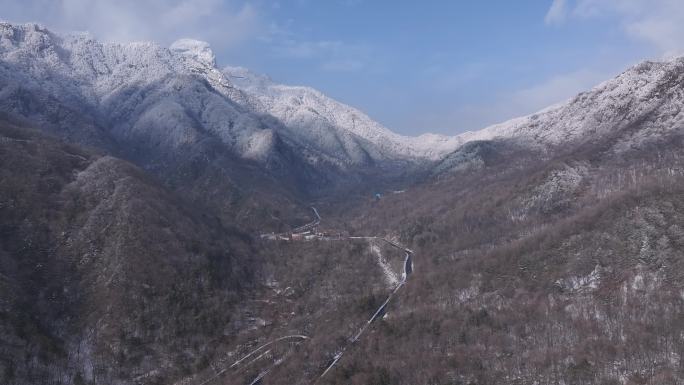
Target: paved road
[(408, 270), (238, 364), (311, 224), (253, 352)]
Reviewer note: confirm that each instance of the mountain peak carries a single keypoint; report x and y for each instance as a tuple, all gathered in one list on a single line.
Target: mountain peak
[(195, 49), (30, 34)]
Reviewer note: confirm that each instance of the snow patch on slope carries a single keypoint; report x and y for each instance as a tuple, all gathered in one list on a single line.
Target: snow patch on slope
[(581, 284), (390, 277)]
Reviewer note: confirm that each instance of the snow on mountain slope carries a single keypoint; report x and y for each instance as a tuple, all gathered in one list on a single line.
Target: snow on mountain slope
[(327, 123), (644, 101), (647, 97), (138, 92), (143, 94)]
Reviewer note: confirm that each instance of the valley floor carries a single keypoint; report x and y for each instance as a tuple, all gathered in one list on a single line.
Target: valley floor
[(272, 353)]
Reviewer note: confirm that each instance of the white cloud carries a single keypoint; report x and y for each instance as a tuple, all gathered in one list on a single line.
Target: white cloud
[(554, 90), (659, 23), (331, 55), (223, 23), (557, 12), (511, 104), (343, 65), (336, 56)]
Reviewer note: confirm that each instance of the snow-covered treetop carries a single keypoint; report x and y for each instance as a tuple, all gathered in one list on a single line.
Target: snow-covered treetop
[(198, 50)]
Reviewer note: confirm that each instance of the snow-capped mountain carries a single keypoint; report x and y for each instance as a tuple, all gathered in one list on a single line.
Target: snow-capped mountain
[(145, 99), (643, 102), (647, 98), (137, 92), (325, 123), (142, 94)]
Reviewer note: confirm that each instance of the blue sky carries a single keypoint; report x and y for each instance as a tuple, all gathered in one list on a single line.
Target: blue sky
[(416, 66)]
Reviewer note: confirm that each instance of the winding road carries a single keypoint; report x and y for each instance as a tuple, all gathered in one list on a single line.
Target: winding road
[(407, 271), (253, 352), (309, 225)]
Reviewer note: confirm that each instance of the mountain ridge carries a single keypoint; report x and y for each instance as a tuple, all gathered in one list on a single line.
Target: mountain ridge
[(141, 89), (300, 106), (98, 73), (639, 86)]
